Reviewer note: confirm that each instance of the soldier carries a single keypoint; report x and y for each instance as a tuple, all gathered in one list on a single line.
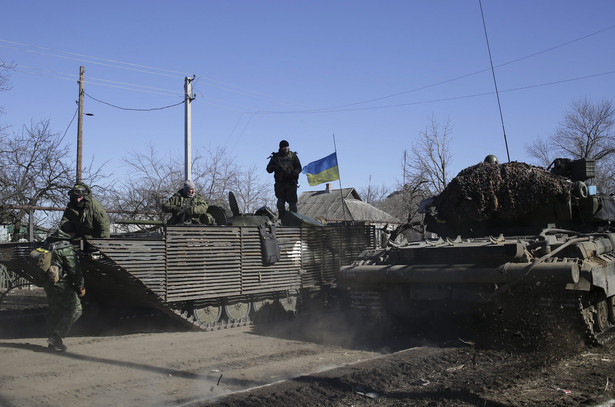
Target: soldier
[(286, 168), (187, 207), (64, 287), (85, 213)]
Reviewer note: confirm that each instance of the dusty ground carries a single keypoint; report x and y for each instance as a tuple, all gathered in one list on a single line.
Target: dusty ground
[(156, 363)]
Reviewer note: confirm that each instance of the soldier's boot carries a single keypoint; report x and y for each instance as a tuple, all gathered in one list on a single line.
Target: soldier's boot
[(56, 344), (281, 211)]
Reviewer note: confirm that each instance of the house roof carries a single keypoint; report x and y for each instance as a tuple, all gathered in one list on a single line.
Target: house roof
[(337, 205)]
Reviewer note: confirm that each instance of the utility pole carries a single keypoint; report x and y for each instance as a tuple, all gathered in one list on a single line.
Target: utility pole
[(80, 124), (188, 128)]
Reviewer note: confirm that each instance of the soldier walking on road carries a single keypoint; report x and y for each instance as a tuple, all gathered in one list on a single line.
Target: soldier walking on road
[(286, 168), (64, 287)]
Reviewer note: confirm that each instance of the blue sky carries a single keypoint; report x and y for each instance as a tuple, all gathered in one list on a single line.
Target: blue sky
[(372, 73)]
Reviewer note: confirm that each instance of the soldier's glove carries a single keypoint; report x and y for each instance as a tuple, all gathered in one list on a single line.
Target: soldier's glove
[(54, 274), (81, 292), (210, 219), (188, 211)]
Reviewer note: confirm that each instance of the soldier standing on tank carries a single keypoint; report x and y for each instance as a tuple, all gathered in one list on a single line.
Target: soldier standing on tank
[(64, 287), (187, 207), (286, 168), (85, 213)]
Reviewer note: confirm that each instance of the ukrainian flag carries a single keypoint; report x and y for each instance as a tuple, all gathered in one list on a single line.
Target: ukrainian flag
[(323, 170)]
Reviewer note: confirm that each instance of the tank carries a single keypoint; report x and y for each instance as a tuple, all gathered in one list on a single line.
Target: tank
[(209, 277), (514, 241)]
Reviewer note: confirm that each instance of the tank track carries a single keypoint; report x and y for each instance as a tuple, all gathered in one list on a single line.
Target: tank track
[(588, 314), (185, 315), (189, 319), (580, 314), (560, 311), (368, 304)]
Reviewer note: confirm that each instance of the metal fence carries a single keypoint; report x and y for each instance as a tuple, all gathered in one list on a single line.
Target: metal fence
[(9, 279)]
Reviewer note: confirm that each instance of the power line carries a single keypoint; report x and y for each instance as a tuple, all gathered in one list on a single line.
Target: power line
[(247, 92), (465, 75), (315, 111), (97, 81), (133, 109), (163, 72), (69, 124), (135, 67)]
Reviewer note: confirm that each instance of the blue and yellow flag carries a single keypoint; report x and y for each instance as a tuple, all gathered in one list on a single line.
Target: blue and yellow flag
[(322, 170)]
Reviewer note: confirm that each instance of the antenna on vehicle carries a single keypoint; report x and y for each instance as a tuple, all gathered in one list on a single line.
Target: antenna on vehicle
[(497, 93)]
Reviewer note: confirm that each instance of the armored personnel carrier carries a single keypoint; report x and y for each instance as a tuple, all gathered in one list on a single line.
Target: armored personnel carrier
[(210, 277), (509, 240)]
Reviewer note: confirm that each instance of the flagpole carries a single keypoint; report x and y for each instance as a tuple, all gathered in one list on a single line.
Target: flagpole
[(339, 179)]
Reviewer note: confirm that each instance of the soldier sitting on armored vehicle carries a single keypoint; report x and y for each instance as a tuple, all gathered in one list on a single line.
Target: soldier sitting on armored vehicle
[(85, 213), (187, 207)]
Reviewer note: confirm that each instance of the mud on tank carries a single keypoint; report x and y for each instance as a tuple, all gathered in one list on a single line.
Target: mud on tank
[(510, 240)]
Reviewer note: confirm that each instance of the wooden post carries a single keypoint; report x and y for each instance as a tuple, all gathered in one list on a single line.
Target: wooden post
[(80, 124)]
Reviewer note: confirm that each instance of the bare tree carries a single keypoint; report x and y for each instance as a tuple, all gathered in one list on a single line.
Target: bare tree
[(33, 173), (431, 156), (404, 202), (586, 131), (5, 67), (605, 175), (425, 171), (540, 151), (251, 193), (373, 194), (220, 174), (153, 179)]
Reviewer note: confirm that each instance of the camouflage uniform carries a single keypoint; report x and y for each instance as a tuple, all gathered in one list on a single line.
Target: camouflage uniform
[(187, 209), (63, 295), (88, 216), (286, 168)]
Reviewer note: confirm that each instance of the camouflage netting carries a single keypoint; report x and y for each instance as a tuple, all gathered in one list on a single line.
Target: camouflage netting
[(506, 191)]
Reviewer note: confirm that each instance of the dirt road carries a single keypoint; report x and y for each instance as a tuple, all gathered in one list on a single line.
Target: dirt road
[(296, 363), (160, 368)]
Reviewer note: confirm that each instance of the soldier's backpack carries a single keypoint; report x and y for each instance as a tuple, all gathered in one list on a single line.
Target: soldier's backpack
[(42, 257)]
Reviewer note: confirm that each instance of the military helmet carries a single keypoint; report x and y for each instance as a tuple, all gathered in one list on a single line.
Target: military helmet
[(78, 190), (491, 159)]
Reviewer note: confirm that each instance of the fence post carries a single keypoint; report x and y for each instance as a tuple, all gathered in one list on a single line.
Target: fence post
[(31, 223)]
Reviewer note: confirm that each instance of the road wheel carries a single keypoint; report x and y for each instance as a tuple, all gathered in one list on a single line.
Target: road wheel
[(601, 321), (611, 304), (207, 315), (289, 303), (237, 312)]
